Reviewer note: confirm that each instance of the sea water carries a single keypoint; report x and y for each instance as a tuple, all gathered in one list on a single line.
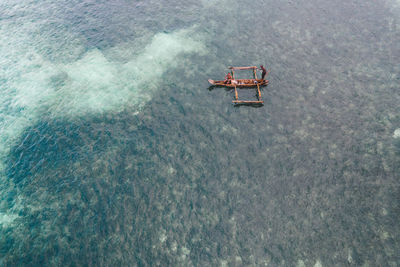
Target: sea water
[(114, 150)]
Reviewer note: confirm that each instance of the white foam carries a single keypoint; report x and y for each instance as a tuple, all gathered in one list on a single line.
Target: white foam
[(7, 219), (96, 84), (396, 133), (318, 264), (300, 263)]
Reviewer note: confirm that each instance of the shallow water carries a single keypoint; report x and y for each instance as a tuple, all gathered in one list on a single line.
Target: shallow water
[(115, 151)]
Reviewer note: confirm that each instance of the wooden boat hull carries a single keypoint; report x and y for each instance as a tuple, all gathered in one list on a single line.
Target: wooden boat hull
[(240, 83)]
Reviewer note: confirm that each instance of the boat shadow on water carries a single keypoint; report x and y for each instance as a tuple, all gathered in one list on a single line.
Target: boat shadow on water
[(254, 105)]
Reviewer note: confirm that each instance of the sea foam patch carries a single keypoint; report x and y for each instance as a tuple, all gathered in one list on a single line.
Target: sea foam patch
[(95, 83), (34, 87), (396, 133)]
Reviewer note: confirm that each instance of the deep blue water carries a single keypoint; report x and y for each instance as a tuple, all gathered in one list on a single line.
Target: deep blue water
[(114, 150)]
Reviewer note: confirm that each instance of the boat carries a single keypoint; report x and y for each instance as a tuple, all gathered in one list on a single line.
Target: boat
[(242, 83)]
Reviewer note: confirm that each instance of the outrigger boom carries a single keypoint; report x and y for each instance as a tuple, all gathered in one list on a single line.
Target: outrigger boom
[(234, 83)]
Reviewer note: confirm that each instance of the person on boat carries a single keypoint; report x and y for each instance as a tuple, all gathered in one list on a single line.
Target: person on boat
[(228, 78), (264, 72)]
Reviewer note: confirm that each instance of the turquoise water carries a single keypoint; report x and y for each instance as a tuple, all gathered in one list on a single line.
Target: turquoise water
[(115, 151)]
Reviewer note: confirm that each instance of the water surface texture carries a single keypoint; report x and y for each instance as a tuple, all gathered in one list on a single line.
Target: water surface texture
[(114, 151)]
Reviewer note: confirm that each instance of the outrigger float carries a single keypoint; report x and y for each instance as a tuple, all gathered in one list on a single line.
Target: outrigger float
[(234, 83)]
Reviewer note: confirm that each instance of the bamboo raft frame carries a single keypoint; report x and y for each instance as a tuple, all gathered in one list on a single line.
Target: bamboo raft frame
[(243, 83)]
